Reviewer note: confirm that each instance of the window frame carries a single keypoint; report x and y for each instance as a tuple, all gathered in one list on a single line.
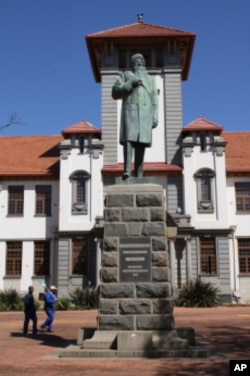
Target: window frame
[(44, 198), (13, 266), (205, 201), (44, 257), (80, 187), (244, 260), (209, 257), (76, 244), (15, 200), (243, 196)]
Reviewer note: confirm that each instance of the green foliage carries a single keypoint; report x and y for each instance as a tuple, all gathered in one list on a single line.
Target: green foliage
[(85, 298), (3, 307), (37, 305), (11, 300), (198, 294), (63, 304), (20, 306)]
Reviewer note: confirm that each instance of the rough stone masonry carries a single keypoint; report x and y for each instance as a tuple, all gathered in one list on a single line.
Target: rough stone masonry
[(135, 289)]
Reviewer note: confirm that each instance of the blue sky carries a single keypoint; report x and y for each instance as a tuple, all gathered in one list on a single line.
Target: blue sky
[(45, 72)]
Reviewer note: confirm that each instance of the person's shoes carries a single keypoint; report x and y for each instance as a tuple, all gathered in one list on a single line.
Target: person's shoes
[(42, 328), (36, 334), (50, 331)]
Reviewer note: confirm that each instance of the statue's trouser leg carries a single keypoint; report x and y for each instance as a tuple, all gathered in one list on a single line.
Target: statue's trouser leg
[(139, 158), (128, 152)]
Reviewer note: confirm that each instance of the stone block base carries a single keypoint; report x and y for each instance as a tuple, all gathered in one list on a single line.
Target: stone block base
[(135, 344)]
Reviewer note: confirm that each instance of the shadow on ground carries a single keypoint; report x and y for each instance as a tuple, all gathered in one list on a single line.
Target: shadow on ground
[(47, 339), (198, 368), (229, 339)]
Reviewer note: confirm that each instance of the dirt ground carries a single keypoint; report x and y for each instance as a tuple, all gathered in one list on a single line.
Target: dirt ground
[(225, 330)]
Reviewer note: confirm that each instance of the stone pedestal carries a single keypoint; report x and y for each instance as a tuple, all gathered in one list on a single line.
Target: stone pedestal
[(135, 290)]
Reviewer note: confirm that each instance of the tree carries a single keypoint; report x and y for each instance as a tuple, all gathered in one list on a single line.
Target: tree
[(13, 120)]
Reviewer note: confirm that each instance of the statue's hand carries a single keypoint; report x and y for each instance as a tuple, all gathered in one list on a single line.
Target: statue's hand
[(155, 123), (136, 82)]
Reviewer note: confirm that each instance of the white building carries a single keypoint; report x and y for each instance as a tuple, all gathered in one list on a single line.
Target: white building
[(52, 188)]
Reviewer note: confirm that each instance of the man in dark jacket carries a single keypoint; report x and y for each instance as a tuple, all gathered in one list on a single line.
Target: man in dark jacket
[(29, 312), (49, 308)]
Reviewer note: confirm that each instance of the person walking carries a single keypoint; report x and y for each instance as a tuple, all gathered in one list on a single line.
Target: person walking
[(29, 312), (50, 300)]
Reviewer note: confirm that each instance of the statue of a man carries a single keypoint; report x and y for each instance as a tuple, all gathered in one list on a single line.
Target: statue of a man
[(139, 112)]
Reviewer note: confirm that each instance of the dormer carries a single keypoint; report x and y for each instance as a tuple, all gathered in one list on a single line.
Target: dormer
[(205, 134), (82, 136)]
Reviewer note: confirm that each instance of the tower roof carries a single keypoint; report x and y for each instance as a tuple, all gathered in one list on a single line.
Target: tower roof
[(142, 34)]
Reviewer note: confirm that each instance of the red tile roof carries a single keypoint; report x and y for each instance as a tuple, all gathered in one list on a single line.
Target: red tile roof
[(82, 127), (139, 34), (237, 152), (140, 29), (201, 124), (38, 156), (29, 156)]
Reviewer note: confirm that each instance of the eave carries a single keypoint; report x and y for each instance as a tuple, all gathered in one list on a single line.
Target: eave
[(152, 168)]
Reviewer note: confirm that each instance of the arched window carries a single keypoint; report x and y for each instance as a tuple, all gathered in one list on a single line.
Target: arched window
[(205, 190), (79, 180)]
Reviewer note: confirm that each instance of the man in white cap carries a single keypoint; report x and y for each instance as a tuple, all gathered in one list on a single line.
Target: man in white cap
[(50, 300)]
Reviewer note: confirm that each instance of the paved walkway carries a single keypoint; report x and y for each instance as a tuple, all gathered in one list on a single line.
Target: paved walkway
[(224, 329)]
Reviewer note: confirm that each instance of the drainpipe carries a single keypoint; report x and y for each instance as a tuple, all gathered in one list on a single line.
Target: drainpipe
[(235, 285), (189, 261)]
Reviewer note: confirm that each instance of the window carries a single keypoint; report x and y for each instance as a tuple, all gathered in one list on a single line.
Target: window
[(205, 180), (43, 200), (203, 141), (80, 256), (42, 258), (79, 192), (208, 263), (159, 57), (242, 192), (244, 255), (14, 259), (15, 205)]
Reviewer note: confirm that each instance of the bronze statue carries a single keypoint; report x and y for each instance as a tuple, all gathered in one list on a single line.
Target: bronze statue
[(139, 112)]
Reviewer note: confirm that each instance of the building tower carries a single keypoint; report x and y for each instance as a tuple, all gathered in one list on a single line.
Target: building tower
[(168, 54)]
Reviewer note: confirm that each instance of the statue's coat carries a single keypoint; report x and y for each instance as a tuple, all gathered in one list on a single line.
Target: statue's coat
[(139, 108)]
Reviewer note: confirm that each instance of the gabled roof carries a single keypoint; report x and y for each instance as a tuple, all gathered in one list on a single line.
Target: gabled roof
[(29, 156), (202, 125), (138, 29), (82, 127), (138, 34), (237, 152)]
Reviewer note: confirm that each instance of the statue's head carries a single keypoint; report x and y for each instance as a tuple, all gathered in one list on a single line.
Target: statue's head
[(137, 60)]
